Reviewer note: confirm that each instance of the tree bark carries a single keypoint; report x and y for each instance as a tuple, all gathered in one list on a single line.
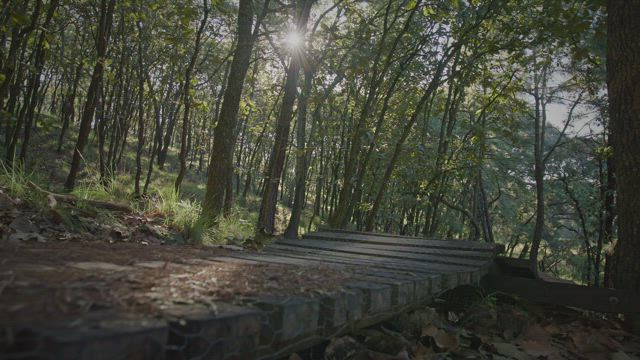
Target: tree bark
[(224, 139), (35, 81), (623, 81), (266, 219), (102, 43), (301, 158), (187, 99)]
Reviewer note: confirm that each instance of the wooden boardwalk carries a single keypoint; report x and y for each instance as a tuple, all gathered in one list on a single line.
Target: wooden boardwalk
[(390, 274)]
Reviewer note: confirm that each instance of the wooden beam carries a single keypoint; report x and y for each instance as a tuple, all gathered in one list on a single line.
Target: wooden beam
[(584, 297)]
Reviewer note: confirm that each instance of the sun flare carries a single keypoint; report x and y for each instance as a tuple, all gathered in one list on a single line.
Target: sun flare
[(293, 40)]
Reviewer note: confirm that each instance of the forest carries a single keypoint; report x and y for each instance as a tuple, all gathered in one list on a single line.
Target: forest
[(239, 121)]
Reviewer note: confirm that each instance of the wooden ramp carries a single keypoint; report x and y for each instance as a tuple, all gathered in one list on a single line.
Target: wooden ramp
[(388, 275)]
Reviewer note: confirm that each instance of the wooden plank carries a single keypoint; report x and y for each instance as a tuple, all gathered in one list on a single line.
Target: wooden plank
[(354, 249), (371, 275), (389, 262), (584, 297), (348, 262), (402, 239), (448, 253), (401, 262), (467, 254)]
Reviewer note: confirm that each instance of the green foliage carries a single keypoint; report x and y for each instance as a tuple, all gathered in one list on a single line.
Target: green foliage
[(17, 182), (236, 228), (180, 214)]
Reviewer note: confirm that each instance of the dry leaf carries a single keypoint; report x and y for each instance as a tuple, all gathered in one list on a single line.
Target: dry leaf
[(445, 340)]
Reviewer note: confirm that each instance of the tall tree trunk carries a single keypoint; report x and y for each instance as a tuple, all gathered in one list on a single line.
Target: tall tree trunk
[(623, 80), (68, 105), (171, 123), (35, 81), (187, 98), (266, 219), (224, 140), (540, 83), (18, 34), (301, 157), (141, 76), (370, 222), (346, 201), (102, 43)]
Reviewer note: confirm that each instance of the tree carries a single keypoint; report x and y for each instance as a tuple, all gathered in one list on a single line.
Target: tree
[(187, 98), (623, 81), (266, 218), (220, 164), (102, 43)]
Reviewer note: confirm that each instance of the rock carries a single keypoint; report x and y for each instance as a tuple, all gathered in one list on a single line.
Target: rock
[(23, 236), (24, 225)]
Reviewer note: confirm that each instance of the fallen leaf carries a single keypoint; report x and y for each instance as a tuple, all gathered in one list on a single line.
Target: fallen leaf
[(445, 340)]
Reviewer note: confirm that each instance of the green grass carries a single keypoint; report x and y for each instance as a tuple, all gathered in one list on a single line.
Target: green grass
[(16, 180), (237, 227), (181, 212)]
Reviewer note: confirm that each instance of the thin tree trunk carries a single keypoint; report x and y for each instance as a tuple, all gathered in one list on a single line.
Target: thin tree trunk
[(266, 219), (68, 105), (187, 99), (34, 87), (140, 145), (102, 43), (301, 157)]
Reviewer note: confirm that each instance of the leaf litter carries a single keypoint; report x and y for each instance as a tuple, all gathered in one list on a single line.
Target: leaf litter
[(491, 326), (61, 264)]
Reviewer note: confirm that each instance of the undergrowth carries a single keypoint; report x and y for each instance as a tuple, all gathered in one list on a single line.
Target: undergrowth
[(17, 182), (183, 215), (180, 212)]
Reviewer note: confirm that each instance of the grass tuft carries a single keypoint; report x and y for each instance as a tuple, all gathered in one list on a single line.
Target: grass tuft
[(16, 180), (237, 227)]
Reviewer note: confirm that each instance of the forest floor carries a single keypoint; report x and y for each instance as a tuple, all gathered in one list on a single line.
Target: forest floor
[(484, 326), (61, 262)]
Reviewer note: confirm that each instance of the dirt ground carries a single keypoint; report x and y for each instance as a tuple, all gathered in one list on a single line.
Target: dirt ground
[(62, 261), (43, 282)]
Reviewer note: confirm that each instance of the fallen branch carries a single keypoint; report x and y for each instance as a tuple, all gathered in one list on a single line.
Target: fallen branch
[(74, 199)]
